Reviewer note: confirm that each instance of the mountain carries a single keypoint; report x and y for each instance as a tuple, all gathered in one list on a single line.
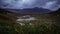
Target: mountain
[(4, 11), (55, 16), (35, 10), (7, 14), (7, 17), (56, 12)]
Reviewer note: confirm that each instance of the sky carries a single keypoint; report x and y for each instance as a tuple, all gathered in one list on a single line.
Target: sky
[(21, 4)]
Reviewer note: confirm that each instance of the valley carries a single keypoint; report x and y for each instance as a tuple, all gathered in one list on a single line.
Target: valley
[(16, 23)]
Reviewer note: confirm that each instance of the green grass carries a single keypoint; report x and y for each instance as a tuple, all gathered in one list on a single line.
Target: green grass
[(45, 25), (30, 29), (38, 29)]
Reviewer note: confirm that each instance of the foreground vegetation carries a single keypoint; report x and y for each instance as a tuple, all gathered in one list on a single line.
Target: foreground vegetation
[(30, 29), (42, 26), (47, 24)]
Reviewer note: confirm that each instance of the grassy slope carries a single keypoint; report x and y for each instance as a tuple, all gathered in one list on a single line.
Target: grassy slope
[(7, 17), (37, 28)]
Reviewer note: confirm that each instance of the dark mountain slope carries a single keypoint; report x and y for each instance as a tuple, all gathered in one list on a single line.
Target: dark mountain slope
[(4, 11), (7, 17), (56, 12), (55, 16), (35, 10)]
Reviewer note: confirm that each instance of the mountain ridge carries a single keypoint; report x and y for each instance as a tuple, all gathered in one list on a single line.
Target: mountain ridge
[(35, 10), (31, 11)]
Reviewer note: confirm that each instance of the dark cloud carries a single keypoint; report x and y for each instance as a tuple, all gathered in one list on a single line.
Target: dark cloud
[(18, 4)]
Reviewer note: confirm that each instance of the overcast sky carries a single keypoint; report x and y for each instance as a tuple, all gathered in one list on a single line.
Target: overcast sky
[(20, 4)]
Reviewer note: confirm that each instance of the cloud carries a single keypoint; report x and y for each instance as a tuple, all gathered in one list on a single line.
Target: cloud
[(18, 4), (52, 5)]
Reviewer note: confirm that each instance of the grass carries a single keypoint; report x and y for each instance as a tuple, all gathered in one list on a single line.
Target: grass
[(37, 29), (31, 29), (45, 25)]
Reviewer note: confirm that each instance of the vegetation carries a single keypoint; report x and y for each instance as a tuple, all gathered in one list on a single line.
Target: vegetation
[(30, 29), (46, 24)]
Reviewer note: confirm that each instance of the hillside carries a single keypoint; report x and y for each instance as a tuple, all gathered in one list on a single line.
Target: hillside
[(56, 14), (7, 17), (53, 16), (45, 23), (35, 10)]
